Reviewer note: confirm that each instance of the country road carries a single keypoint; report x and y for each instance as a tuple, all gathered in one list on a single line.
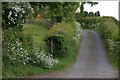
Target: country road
[(92, 61)]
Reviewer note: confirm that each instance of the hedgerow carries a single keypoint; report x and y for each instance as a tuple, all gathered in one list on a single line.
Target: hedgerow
[(110, 33), (17, 53), (61, 37), (89, 22)]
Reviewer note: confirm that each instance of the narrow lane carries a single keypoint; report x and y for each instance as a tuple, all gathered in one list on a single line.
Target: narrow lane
[(91, 62)]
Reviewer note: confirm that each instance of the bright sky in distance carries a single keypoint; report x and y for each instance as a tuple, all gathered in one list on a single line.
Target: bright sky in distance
[(106, 8)]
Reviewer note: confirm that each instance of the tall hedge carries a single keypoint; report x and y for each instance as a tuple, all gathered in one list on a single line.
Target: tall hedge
[(109, 31), (60, 39)]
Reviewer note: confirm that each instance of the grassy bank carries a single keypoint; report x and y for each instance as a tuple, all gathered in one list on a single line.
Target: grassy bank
[(109, 31), (38, 32)]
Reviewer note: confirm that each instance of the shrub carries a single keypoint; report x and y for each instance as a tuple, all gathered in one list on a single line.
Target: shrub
[(14, 13), (21, 50), (56, 44), (12, 47), (43, 59), (61, 37), (89, 22)]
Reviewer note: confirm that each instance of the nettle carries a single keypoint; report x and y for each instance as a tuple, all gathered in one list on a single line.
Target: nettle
[(13, 14)]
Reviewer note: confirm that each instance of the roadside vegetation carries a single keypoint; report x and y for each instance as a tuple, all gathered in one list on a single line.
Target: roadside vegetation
[(0, 52), (109, 30), (45, 37), (43, 43)]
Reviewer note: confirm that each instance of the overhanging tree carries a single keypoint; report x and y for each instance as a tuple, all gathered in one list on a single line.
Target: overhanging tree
[(57, 11), (81, 6)]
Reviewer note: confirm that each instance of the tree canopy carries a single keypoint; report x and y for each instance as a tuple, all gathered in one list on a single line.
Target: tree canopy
[(82, 6), (57, 10)]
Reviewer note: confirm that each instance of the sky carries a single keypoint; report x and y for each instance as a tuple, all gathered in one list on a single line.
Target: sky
[(106, 8)]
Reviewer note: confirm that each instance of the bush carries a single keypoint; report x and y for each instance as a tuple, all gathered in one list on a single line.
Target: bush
[(89, 22), (60, 38), (14, 13), (56, 44), (43, 59), (21, 50)]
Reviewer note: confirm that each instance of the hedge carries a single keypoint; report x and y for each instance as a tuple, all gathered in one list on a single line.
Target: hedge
[(60, 39), (89, 22), (109, 31)]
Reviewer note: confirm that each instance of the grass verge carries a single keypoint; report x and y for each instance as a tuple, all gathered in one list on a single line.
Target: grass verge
[(38, 33)]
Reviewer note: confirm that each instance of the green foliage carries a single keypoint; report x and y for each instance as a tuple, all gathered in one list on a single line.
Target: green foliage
[(82, 7), (109, 30), (60, 39), (89, 22), (110, 33), (97, 13), (64, 62), (57, 11), (14, 13), (86, 14), (37, 32), (91, 14), (9, 43), (56, 44), (44, 22), (43, 59), (19, 49), (108, 24), (39, 60)]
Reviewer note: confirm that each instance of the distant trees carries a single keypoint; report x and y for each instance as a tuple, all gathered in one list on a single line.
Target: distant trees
[(56, 11), (81, 5), (91, 14), (85, 14), (97, 13), (81, 13)]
